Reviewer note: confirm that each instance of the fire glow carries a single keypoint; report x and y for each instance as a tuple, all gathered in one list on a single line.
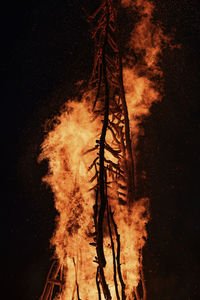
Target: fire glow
[(107, 264)]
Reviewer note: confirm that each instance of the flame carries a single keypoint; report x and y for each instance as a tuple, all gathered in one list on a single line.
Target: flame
[(143, 81), (67, 149)]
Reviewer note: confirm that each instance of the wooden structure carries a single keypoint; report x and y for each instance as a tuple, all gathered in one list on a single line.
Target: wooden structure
[(54, 281), (110, 105)]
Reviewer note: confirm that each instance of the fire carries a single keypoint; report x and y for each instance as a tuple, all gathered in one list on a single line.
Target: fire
[(72, 150)]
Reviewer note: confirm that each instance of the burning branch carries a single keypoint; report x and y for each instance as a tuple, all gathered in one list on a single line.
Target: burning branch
[(118, 258), (113, 253)]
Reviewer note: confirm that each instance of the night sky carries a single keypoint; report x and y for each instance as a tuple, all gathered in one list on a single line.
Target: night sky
[(46, 48)]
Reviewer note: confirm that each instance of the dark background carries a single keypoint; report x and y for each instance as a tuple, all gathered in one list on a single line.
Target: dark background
[(45, 48)]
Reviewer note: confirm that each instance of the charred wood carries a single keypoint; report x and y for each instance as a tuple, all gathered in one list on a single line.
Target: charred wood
[(118, 257)]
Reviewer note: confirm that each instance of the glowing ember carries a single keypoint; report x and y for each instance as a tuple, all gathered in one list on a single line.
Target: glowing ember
[(100, 230)]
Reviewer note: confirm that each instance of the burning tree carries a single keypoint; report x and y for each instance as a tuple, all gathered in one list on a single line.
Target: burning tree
[(92, 151)]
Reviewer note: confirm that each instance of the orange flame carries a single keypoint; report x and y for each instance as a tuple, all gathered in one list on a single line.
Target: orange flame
[(66, 148), (147, 40)]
